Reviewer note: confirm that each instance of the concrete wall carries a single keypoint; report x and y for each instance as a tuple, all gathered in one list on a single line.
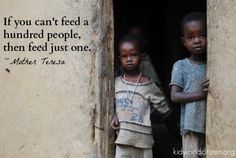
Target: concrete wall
[(58, 111), (221, 124)]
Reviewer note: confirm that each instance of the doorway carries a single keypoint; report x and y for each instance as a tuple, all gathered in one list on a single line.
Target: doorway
[(161, 26)]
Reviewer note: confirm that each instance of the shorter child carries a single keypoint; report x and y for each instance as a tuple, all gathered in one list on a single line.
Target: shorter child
[(136, 96), (189, 85)]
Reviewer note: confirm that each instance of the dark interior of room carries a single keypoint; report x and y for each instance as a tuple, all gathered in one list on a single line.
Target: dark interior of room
[(162, 27)]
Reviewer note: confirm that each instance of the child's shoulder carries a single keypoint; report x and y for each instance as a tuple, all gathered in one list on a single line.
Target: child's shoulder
[(182, 61), (118, 79), (144, 79), (182, 64), (148, 83), (188, 61)]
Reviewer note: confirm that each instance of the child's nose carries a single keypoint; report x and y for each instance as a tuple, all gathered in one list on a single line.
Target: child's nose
[(196, 39), (129, 58)]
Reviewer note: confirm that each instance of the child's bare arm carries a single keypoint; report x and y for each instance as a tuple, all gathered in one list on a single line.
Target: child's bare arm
[(178, 96)]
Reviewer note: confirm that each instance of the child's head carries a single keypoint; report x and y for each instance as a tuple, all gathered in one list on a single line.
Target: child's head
[(130, 49), (193, 27)]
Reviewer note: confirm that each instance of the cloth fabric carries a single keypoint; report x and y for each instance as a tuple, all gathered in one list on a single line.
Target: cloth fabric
[(123, 151), (133, 106), (189, 76), (193, 145), (147, 68)]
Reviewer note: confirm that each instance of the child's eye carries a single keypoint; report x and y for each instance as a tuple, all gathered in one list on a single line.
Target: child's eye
[(128, 56), (203, 35), (123, 56), (190, 38), (134, 56)]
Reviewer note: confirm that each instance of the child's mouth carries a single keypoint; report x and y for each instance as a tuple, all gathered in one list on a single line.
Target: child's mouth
[(198, 48), (129, 65)]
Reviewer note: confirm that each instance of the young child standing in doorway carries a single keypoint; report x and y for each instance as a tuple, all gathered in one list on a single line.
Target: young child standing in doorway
[(189, 85), (136, 97)]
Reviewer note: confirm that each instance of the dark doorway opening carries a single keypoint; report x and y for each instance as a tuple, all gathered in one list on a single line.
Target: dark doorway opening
[(161, 24)]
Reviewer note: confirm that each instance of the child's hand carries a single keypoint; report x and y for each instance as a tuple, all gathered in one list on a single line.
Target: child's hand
[(205, 84), (115, 123)]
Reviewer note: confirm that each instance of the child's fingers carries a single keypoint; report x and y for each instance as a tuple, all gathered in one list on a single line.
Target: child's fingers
[(205, 80), (115, 125), (205, 89), (206, 84), (112, 125)]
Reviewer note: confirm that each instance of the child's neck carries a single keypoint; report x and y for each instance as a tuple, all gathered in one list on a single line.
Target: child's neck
[(198, 58), (132, 76)]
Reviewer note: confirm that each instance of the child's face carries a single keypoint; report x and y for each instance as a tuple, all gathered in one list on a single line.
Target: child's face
[(130, 56), (195, 37)]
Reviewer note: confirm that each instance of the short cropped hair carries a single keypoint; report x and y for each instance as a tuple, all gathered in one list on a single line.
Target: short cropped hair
[(132, 38), (193, 16)]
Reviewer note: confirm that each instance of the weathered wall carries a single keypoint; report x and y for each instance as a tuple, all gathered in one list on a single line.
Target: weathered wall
[(221, 124), (58, 111)]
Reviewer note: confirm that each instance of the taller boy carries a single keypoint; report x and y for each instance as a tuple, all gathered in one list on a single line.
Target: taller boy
[(189, 85)]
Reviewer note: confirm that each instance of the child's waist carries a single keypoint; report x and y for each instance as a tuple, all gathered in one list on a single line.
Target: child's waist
[(135, 127)]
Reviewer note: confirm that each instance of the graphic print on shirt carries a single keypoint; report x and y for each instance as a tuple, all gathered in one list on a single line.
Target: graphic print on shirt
[(133, 109)]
